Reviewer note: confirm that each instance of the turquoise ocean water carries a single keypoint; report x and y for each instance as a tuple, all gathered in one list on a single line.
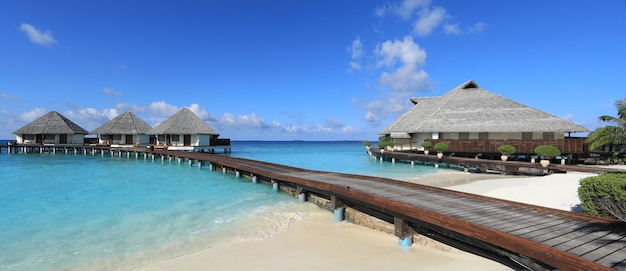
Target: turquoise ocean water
[(82, 212)]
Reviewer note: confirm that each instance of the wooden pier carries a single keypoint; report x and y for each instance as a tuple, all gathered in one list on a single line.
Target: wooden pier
[(522, 236), (483, 165)]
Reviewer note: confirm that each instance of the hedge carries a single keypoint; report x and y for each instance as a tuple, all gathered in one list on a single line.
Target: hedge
[(610, 186)]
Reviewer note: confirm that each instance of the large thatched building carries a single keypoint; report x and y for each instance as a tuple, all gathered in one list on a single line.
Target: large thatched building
[(51, 128), (124, 130), (187, 132), (472, 120)]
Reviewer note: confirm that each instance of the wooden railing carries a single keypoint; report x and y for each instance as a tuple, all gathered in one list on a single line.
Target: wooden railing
[(220, 142), (569, 145)]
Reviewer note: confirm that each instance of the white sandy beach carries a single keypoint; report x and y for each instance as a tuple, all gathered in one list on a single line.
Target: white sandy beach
[(317, 243)]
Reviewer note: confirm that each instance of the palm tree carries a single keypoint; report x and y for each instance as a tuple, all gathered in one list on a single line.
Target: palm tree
[(615, 135)]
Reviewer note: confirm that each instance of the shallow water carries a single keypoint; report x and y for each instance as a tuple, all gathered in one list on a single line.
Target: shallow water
[(83, 212)]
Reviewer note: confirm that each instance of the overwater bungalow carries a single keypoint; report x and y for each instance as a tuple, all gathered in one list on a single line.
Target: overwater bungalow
[(50, 129), (474, 121), (125, 130), (184, 131)]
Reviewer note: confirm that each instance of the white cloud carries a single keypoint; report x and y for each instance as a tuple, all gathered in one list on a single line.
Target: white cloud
[(32, 114), (428, 20), (162, 109), (244, 122), (6, 96), (36, 36), (90, 118), (405, 10), (455, 29), (357, 51), (110, 91), (478, 27), (452, 29), (408, 57)]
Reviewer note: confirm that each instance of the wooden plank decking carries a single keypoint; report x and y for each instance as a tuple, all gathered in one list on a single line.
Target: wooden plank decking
[(560, 239)]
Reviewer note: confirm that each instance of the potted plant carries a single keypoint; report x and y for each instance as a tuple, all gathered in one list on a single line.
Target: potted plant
[(440, 148), (385, 142), (546, 151), (427, 145), (367, 144), (390, 145), (506, 150)]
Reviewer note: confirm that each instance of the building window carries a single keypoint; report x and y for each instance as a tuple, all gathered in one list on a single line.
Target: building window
[(129, 139), (483, 135), (29, 137), (176, 138), (161, 138), (463, 135), (548, 135), (527, 135)]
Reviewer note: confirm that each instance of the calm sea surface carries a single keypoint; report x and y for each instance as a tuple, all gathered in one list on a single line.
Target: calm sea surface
[(83, 212)]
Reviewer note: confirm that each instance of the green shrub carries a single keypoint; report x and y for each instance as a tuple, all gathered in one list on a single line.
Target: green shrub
[(427, 145), (547, 150), (506, 149), (385, 141), (367, 143), (441, 147), (604, 195)]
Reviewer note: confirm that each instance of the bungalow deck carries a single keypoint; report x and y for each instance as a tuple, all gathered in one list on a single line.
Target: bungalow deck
[(484, 165)]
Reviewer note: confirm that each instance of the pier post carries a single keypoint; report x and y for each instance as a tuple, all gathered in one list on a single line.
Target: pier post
[(224, 170), (436, 165), (274, 185), (393, 160), (403, 231), (180, 160), (381, 159), (210, 167), (301, 194), (254, 179), (338, 207), (199, 164), (190, 162), (412, 163), (136, 155), (237, 173)]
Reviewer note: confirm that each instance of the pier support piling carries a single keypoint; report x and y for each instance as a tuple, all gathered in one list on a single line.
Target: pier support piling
[(403, 231), (274, 185), (237, 173), (338, 207), (254, 179), (224, 170)]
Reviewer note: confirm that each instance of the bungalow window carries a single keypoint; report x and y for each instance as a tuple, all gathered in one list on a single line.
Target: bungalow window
[(176, 138), (463, 135), (29, 137), (161, 138), (48, 137), (129, 139), (527, 135), (483, 135), (104, 137), (548, 135)]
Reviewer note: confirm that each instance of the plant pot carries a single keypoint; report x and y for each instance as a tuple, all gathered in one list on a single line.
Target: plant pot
[(504, 157), (426, 152), (544, 163), (439, 155)]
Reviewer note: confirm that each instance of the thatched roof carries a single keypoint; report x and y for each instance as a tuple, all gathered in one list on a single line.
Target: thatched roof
[(468, 108), (51, 123), (184, 122), (126, 123)]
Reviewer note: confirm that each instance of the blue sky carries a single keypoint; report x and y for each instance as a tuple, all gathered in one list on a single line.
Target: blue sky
[(303, 70)]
